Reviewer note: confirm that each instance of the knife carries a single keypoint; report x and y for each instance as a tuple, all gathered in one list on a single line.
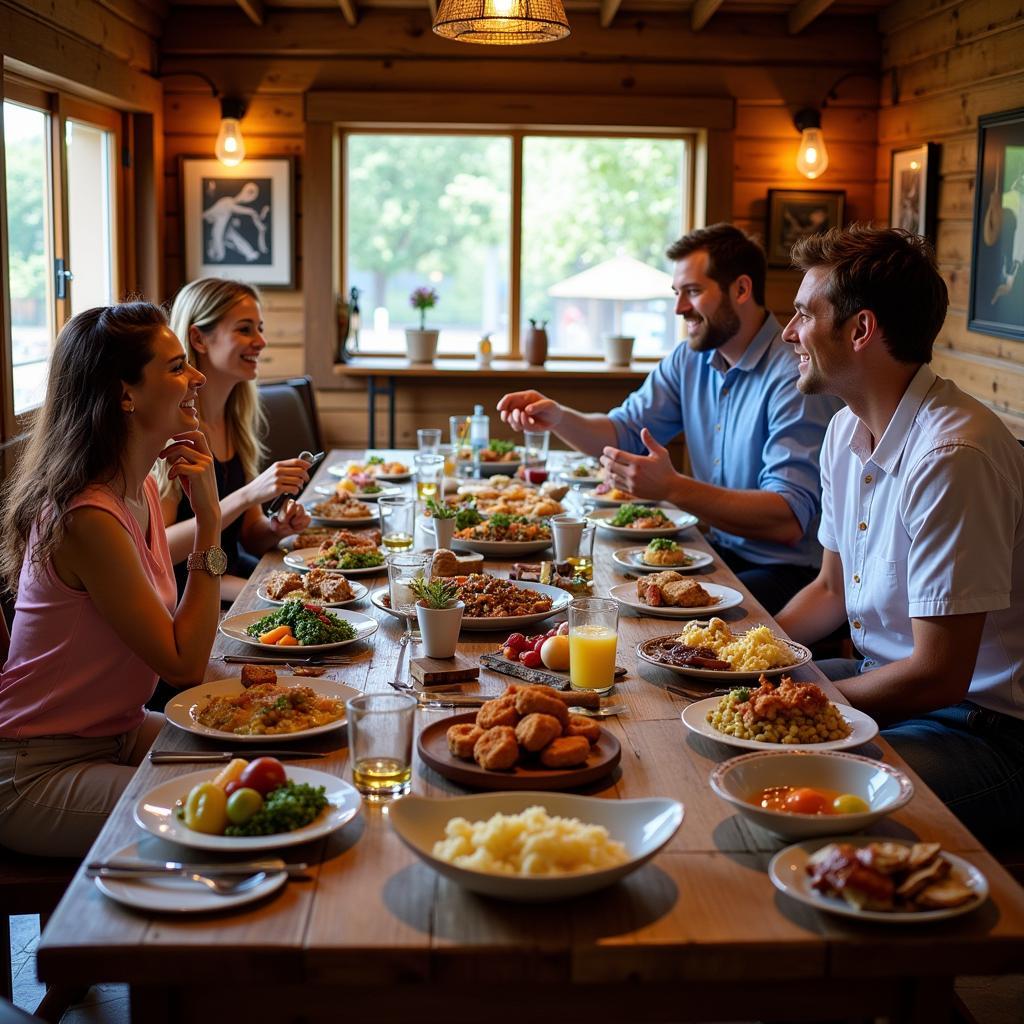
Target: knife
[(223, 756), (251, 659), (136, 868), (426, 700)]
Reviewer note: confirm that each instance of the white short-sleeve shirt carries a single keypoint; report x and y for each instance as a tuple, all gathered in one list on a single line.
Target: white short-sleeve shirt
[(931, 523)]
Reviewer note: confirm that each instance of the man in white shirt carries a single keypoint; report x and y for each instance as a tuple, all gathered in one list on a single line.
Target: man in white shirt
[(922, 526)]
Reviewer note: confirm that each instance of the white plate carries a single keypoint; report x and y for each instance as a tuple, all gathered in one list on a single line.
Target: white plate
[(501, 548), (183, 707), (330, 491), (680, 521), (559, 602), (584, 481), (347, 521), (341, 469), (234, 627), (394, 477), (632, 558), (643, 826), (801, 655), (154, 812), (787, 870), (605, 502), (358, 592), (302, 558), (625, 594), (864, 728), (174, 895)]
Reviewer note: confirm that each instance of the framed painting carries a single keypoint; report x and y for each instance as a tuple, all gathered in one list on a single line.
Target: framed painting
[(914, 189), (237, 222), (997, 251), (795, 213)]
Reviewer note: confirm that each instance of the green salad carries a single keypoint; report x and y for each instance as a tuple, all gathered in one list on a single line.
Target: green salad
[(309, 622), (630, 513), (285, 809), (502, 447)]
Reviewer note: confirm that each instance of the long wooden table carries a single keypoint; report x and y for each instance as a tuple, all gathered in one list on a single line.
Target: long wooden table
[(697, 934)]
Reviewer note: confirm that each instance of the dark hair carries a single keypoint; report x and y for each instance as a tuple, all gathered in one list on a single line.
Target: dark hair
[(890, 271), (80, 432), (731, 253)]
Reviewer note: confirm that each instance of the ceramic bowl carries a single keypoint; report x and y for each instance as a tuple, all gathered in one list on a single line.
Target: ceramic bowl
[(644, 826), (884, 788)]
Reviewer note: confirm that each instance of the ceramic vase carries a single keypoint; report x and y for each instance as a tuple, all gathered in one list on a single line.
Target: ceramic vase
[(421, 345), (444, 530), (535, 348), (440, 628)]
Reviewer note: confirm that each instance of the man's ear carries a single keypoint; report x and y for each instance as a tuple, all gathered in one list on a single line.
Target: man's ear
[(743, 289), (865, 329)]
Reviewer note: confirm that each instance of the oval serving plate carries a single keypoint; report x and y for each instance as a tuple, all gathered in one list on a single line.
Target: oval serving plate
[(302, 558), (726, 597), (234, 626), (679, 521), (801, 655), (358, 593)]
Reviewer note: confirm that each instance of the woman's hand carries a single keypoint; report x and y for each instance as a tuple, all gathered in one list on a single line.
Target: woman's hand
[(190, 463), (293, 518), (286, 477)]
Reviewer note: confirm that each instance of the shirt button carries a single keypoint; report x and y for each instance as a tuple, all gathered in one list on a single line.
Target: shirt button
[(717, 461), (856, 578), (718, 426), (862, 526), (868, 478), (856, 624), (725, 391)]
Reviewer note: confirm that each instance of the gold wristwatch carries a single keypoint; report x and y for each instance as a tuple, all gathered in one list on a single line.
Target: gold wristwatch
[(212, 560)]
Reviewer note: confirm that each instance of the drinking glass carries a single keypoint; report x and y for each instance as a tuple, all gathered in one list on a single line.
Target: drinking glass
[(429, 474), (459, 426), (583, 561), (573, 540), (535, 455), (593, 628), (397, 521), (427, 439), (403, 568), (380, 729)]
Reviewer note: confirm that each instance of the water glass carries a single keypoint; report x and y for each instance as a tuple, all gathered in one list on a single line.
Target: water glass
[(403, 568), (428, 439), (380, 731), (429, 474), (593, 635), (535, 447), (459, 426), (397, 521)]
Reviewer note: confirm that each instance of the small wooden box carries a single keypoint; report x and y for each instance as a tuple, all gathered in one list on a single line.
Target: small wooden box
[(443, 671)]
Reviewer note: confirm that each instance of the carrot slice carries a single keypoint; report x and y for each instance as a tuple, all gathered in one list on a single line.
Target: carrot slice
[(288, 641), (273, 635)]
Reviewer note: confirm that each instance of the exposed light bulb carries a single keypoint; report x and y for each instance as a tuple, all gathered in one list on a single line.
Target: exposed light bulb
[(503, 8), (230, 147), (812, 157)]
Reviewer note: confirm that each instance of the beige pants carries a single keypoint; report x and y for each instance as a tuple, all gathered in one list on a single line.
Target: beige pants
[(56, 792)]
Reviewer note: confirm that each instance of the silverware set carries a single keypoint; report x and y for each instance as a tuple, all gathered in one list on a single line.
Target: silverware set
[(223, 756), (225, 879)]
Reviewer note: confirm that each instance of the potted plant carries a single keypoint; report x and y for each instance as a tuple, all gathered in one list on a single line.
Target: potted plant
[(439, 615), (421, 344), (536, 348), (443, 517)]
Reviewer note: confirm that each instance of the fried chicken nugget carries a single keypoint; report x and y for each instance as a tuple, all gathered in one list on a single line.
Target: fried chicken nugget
[(585, 727), (537, 730), (565, 752), (532, 699), (501, 711), (462, 738), (497, 749)]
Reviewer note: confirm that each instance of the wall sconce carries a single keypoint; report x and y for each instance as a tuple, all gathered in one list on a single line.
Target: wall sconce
[(230, 146), (812, 156), (502, 22)]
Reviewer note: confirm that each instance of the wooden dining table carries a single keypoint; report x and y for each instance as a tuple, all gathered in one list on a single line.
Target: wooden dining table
[(698, 933)]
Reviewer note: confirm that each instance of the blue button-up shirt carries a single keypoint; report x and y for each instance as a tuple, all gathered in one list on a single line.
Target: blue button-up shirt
[(747, 427)]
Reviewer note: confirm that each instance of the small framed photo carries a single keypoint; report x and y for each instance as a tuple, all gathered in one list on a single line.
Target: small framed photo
[(997, 257), (914, 189), (238, 221), (795, 213)]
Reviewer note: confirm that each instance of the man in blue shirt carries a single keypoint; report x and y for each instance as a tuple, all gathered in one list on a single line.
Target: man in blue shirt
[(753, 438)]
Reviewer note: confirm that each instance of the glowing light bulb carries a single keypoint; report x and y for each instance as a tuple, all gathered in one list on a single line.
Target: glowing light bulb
[(230, 146), (503, 8), (812, 157)]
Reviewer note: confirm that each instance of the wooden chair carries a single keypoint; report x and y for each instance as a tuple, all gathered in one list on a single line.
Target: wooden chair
[(33, 885), (290, 407)]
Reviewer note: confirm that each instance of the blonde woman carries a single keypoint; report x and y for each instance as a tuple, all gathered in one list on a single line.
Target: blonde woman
[(220, 323)]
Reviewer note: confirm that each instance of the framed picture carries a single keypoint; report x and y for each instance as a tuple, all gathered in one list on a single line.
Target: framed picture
[(914, 189), (997, 276), (238, 221), (794, 213)]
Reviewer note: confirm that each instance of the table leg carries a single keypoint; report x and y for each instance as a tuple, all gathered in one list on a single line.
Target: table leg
[(371, 403), (391, 412)]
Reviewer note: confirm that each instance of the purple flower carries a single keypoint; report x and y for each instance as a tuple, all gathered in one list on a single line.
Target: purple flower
[(423, 299)]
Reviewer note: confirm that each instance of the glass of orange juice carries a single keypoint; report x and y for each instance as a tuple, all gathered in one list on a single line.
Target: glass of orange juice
[(593, 634)]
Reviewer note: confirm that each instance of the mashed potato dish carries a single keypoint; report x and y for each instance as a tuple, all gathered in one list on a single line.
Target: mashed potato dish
[(753, 651), (530, 843)]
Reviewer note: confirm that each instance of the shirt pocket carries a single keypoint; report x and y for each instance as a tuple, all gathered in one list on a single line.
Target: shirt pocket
[(888, 595)]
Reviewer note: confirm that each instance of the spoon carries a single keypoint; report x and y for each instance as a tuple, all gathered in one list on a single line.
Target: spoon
[(611, 709), (222, 886)]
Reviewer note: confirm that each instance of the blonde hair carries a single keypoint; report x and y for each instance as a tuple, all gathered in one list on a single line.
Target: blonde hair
[(203, 304)]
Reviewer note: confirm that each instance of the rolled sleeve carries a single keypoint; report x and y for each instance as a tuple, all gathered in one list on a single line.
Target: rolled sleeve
[(656, 405)]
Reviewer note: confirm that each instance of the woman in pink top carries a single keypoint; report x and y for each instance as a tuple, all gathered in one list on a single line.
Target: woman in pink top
[(83, 544)]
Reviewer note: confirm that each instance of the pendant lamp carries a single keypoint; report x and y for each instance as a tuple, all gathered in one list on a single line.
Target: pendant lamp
[(502, 22)]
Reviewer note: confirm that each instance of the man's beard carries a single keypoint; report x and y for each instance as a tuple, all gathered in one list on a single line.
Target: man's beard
[(723, 325)]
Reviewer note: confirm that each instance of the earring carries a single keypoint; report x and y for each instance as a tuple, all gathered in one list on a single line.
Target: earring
[(130, 409)]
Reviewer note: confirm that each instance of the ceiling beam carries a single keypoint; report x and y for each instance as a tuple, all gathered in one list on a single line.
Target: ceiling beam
[(702, 12), (805, 12), (609, 8), (349, 11), (253, 10)]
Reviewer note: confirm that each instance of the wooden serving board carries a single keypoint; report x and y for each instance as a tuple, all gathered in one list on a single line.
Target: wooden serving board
[(440, 671), (545, 676)]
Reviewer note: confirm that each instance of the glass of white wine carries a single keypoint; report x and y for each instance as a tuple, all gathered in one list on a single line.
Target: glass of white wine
[(397, 521), (429, 474), (380, 729)]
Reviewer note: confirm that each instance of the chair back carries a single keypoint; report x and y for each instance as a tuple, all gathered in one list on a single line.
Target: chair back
[(290, 407)]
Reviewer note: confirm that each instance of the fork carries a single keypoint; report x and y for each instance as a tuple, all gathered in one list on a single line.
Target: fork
[(227, 886), (396, 683), (610, 709)]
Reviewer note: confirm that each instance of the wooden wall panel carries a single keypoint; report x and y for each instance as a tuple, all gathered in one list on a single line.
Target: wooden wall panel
[(948, 62)]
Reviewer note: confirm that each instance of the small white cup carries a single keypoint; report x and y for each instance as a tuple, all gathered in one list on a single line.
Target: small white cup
[(566, 531), (618, 349)]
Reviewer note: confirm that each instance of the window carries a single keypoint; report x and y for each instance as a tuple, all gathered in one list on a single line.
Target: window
[(60, 155), (595, 215)]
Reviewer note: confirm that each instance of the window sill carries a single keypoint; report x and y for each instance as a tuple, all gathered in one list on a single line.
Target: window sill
[(452, 366)]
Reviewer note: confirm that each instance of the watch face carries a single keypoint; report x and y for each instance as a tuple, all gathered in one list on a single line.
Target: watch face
[(216, 561)]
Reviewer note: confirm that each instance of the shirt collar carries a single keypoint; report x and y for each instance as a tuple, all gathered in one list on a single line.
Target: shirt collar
[(755, 351), (890, 446)]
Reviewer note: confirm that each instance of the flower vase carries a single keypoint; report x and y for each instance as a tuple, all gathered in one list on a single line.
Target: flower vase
[(421, 345), (440, 628), (536, 347), (444, 530)]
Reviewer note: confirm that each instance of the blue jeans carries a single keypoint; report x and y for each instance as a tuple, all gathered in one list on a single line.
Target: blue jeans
[(971, 757)]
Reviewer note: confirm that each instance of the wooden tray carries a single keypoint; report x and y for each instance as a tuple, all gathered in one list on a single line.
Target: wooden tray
[(497, 662), (432, 745)]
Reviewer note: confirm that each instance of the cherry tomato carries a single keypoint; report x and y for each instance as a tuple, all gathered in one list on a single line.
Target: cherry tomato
[(531, 641), (232, 787), (243, 804), (264, 775), (540, 643), (516, 641), (804, 800), (850, 803), (531, 659), (206, 809), (510, 652), (551, 632)]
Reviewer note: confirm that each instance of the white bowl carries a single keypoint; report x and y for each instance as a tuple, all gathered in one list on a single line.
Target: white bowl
[(886, 789), (644, 826)]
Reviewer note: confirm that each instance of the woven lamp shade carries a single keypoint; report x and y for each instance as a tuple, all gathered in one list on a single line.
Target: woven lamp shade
[(502, 22)]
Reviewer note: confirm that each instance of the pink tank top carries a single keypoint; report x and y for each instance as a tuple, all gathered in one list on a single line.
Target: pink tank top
[(68, 672)]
